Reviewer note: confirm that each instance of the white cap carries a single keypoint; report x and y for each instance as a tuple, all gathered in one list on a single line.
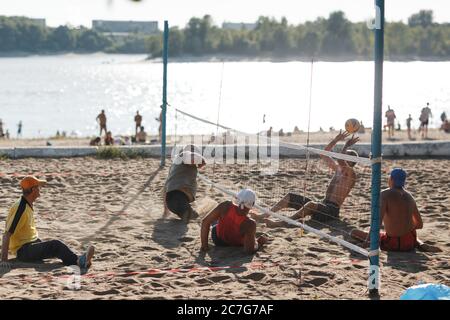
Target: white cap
[(246, 198)]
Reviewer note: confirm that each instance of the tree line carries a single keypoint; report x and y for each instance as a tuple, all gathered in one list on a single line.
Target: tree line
[(331, 38)]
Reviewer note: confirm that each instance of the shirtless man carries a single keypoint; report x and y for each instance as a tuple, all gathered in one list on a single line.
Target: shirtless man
[(101, 118), (400, 216), (390, 117), (138, 120), (341, 184), (425, 115), (231, 225)]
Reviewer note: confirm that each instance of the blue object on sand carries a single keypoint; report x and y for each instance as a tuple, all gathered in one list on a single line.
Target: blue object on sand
[(427, 291)]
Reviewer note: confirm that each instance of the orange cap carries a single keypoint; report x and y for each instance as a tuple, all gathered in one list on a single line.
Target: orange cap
[(30, 182)]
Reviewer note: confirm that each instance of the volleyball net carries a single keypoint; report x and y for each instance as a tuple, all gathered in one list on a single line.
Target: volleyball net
[(237, 159)]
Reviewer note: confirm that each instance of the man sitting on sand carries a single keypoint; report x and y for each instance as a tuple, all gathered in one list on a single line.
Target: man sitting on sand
[(231, 225), (341, 184), (21, 236), (181, 184), (400, 216)]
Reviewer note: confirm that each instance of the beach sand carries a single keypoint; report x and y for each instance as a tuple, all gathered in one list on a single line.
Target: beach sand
[(117, 206)]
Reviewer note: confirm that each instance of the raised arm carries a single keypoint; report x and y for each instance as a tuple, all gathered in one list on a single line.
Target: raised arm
[(350, 142), (212, 216), (329, 161)]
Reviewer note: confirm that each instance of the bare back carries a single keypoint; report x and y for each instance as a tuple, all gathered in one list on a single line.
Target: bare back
[(398, 211), (341, 184)]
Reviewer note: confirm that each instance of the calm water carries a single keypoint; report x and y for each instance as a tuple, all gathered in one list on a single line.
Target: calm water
[(67, 92)]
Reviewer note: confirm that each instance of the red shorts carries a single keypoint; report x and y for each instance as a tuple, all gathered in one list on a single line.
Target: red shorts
[(404, 243)]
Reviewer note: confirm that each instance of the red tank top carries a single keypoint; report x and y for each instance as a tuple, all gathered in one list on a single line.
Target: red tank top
[(229, 227)]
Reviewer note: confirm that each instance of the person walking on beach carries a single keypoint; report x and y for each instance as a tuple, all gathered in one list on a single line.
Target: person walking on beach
[(21, 235), (138, 121), (443, 116), (101, 119), (390, 117), (231, 225), (425, 115), (339, 188), (2, 134), (408, 126), (181, 184), (160, 125), (400, 216), (19, 129)]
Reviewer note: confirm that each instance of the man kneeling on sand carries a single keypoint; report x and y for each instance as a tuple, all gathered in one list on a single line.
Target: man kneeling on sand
[(21, 236), (400, 216), (231, 226)]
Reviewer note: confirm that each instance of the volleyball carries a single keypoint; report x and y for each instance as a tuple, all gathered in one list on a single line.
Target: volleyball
[(352, 125)]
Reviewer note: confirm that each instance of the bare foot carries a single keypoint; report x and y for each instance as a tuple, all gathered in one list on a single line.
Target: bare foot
[(273, 224)]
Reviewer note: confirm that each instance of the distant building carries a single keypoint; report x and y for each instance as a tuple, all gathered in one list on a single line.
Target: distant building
[(238, 26), (125, 27)]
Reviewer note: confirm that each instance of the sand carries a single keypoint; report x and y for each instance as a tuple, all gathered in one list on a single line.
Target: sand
[(116, 205)]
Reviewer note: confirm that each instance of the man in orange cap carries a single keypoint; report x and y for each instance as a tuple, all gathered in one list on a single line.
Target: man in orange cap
[(21, 237)]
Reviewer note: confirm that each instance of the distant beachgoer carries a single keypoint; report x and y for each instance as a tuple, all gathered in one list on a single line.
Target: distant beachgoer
[(339, 188), (2, 134), (297, 130), (138, 120), (424, 118), (390, 117), (109, 141), (231, 225), (281, 133), (361, 129), (408, 126), (181, 185), (445, 126), (19, 129), (443, 116), (101, 119), (21, 236), (159, 119), (141, 136), (95, 142), (400, 216), (7, 134)]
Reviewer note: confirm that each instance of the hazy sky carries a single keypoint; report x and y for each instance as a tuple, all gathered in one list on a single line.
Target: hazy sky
[(178, 12)]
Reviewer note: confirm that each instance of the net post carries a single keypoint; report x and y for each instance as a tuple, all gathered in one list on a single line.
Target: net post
[(374, 268), (164, 102)]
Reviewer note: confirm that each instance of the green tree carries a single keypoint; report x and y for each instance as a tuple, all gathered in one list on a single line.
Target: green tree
[(424, 18)]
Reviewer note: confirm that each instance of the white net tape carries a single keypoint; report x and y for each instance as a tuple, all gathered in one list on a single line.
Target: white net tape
[(359, 160)]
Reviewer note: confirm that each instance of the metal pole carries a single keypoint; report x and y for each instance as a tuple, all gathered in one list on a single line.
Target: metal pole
[(164, 103), (374, 269)]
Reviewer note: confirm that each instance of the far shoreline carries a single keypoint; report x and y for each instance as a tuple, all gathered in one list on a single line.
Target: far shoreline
[(225, 57)]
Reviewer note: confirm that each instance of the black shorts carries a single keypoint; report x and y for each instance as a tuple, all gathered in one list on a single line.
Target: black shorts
[(326, 211), (178, 202), (215, 238), (424, 123)]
